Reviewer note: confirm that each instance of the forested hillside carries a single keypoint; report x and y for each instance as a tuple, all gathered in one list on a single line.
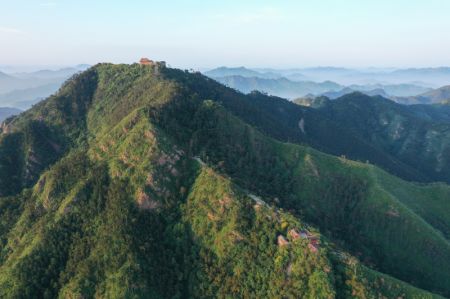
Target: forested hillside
[(405, 141), (146, 182), (418, 136)]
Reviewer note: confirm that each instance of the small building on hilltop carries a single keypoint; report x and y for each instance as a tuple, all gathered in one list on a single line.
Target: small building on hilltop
[(146, 61)]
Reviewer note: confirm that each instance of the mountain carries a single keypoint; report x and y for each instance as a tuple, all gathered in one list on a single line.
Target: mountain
[(294, 75), (421, 77), (318, 74), (7, 82), (438, 95), (337, 94), (10, 83), (240, 71), (424, 77), (21, 90), (6, 112), (434, 96), (392, 90), (53, 74), (144, 181), (281, 87), (434, 113), (434, 76), (25, 98), (4, 76), (416, 137), (393, 152), (286, 88)]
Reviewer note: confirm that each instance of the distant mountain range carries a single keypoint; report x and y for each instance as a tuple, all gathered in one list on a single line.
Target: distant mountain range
[(25, 98), (427, 77), (6, 112), (241, 71), (434, 96), (281, 87), (21, 90), (424, 77), (51, 74), (432, 76), (347, 90), (407, 86), (285, 88), (399, 85)]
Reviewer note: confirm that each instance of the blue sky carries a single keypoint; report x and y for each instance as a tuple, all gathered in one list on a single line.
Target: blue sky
[(198, 34)]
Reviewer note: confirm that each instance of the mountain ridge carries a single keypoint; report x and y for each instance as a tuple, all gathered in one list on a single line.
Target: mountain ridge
[(291, 89), (434, 96)]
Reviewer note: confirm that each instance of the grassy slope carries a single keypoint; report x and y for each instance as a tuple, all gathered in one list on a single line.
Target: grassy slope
[(430, 201), (340, 196), (241, 236), (108, 268), (82, 243), (105, 217), (384, 228)]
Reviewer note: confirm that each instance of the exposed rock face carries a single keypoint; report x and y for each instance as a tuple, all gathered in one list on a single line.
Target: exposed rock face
[(301, 125), (144, 202), (5, 128), (282, 241)]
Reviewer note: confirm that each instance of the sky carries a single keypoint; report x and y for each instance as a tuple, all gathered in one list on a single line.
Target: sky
[(203, 34)]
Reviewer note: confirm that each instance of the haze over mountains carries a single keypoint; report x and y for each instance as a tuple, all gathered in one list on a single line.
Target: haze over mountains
[(430, 77), (23, 89), (435, 96), (400, 85), (6, 112)]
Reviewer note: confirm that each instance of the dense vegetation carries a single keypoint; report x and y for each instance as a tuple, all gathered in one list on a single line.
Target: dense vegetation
[(418, 136), (360, 127), (144, 182)]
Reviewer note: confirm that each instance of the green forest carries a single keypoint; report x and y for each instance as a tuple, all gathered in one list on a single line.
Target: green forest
[(150, 182)]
